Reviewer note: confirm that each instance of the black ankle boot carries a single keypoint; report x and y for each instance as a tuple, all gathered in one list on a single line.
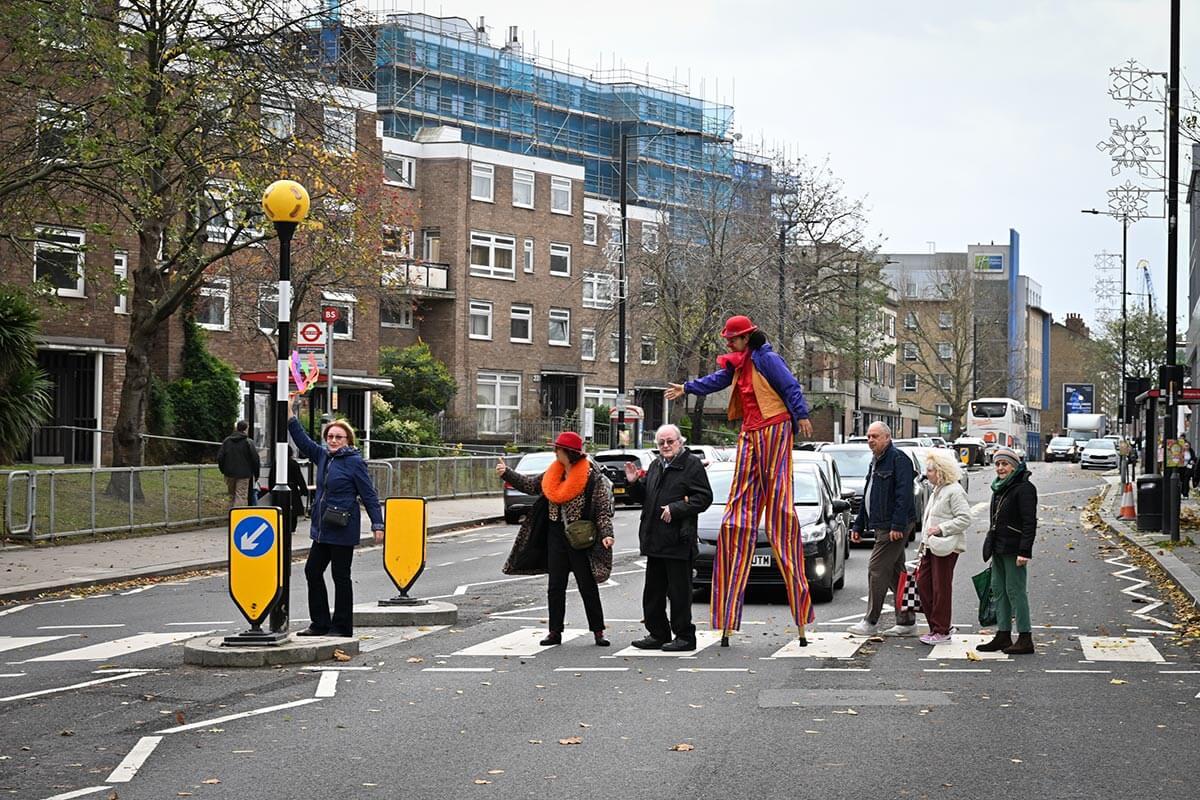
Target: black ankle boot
[(1022, 647), (552, 638), (600, 640), (1001, 640)]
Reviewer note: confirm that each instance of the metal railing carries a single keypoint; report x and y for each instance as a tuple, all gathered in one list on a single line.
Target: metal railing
[(435, 478)]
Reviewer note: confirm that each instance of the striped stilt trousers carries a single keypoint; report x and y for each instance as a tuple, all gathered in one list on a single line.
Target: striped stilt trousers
[(762, 479)]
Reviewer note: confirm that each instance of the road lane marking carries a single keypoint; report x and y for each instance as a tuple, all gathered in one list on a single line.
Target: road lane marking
[(129, 766), (1119, 648), (338, 669), (15, 642), (13, 610), (837, 669), (458, 669), (120, 647), (74, 627), (230, 717), (822, 644), (398, 637), (214, 622), (518, 643), (40, 692), (1179, 672), (952, 669), (1152, 603), (327, 686), (713, 669), (138, 590), (961, 646), (704, 639), (591, 669), (79, 793), (12, 674), (69, 600), (1078, 671)]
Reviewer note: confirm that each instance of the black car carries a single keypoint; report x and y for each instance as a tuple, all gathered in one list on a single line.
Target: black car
[(517, 502), (613, 463), (821, 527)]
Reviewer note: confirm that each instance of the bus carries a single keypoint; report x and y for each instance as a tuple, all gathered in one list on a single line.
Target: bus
[(999, 422)]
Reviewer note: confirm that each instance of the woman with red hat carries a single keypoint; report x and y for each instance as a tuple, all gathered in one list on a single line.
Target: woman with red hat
[(571, 490), (769, 401)]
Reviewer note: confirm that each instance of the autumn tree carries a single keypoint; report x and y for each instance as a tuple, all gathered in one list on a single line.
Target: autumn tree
[(1146, 344)]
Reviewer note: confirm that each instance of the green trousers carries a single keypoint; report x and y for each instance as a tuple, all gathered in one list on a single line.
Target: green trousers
[(1012, 599)]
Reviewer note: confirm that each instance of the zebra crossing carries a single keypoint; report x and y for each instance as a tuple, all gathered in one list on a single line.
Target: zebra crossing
[(100, 651)]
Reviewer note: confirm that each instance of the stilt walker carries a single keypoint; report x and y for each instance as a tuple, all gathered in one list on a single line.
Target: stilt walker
[(769, 401)]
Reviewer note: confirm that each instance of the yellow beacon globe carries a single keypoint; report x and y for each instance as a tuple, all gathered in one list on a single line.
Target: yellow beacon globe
[(285, 201)]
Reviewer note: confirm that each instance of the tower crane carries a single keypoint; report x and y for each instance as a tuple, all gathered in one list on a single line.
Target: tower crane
[(1145, 267)]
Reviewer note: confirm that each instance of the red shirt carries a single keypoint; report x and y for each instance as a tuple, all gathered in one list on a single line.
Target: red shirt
[(752, 419)]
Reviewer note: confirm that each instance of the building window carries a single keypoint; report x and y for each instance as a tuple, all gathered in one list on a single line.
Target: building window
[(560, 195), (522, 188), (344, 302), (278, 117), (396, 314), (56, 126), (587, 344), (400, 171), (649, 291), (599, 396), (529, 256), (216, 210), (212, 305), (397, 242), (560, 327), (614, 341), (520, 326), (649, 350), (121, 281), (268, 307), (910, 351), (891, 325), (598, 290), (944, 320), (910, 382), (339, 130), (492, 256), (945, 351), (497, 402), (432, 244), (910, 289), (483, 182), (891, 374), (945, 383), (480, 326), (910, 320), (650, 237), (58, 259), (590, 228), (943, 410), (560, 259)]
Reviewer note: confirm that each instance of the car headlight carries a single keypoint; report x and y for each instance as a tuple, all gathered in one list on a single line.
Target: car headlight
[(812, 533)]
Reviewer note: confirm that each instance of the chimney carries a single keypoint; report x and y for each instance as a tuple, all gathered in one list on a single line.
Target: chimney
[(1076, 325)]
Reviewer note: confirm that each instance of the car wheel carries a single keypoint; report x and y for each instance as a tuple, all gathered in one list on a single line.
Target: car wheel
[(511, 517), (823, 593)]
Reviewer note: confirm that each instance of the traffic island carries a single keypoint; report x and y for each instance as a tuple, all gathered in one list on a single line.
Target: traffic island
[(433, 612), (210, 651)]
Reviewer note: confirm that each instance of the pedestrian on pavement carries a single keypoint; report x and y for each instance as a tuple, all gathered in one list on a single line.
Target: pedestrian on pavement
[(342, 481), (674, 491), (237, 458), (1009, 546), (1187, 475), (576, 490), (770, 403), (887, 511), (943, 537)]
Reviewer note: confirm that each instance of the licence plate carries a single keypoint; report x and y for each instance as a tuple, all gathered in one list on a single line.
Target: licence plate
[(618, 490), (761, 560)]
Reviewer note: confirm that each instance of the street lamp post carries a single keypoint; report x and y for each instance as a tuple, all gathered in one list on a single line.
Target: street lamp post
[(1124, 314), (286, 204)]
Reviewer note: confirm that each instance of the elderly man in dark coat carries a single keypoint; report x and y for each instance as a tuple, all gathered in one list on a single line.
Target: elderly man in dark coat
[(674, 491)]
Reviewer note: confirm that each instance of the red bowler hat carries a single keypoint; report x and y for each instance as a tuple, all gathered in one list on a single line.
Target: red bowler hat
[(738, 325), (569, 440)]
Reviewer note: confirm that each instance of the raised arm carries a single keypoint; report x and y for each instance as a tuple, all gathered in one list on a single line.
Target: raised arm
[(310, 449)]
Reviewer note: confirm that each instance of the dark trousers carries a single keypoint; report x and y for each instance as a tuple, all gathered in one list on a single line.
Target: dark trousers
[(883, 573), (562, 560), (668, 578), (935, 585), (320, 556)]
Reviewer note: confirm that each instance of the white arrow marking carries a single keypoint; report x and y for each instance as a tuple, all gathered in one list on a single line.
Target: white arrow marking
[(249, 540)]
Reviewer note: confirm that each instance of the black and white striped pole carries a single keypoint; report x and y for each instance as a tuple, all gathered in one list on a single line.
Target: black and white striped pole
[(285, 204)]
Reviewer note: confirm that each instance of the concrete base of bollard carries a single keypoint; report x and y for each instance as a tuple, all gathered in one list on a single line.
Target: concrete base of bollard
[(208, 651), (373, 615)]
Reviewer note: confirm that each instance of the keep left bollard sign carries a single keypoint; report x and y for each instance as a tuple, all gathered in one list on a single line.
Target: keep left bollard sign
[(404, 540), (255, 560)]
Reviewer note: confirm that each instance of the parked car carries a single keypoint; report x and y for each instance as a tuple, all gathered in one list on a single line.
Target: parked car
[(613, 464), (833, 477), (938, 441), (854, 460), (964, 479), (1099, 453), (707, 454), (517, 502), (821, 527), (1062, 448)]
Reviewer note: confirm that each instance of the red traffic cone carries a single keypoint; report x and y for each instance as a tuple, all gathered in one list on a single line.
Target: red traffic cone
[(1127, 508)]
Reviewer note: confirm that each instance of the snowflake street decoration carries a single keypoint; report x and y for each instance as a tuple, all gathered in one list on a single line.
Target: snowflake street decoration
[(1130, 83), (1129, 146), (1129, 201)]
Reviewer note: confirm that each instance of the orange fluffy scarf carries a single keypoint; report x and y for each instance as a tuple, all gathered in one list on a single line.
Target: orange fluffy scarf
[(560, 486)]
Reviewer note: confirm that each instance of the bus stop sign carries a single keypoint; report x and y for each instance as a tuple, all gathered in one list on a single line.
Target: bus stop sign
[(255, 560), (403, 544)]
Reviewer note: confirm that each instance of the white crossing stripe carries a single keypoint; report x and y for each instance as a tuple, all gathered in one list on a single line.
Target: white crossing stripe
[(130, 765), (327, 686), (1119, 648), (78, 793), (14, 642), (518, 643), (119, 647), (703, 639), (960, 645), (41, 692), (230, 717), (822, 644)]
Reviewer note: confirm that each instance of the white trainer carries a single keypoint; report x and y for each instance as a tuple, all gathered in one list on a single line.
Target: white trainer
[(863, 628), (901, 630)]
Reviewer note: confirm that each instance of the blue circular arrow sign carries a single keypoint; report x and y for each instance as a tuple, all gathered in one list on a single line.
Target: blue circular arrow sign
[(254, 536)]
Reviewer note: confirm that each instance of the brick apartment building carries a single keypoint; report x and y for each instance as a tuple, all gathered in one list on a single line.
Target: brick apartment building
[(1070, 341)]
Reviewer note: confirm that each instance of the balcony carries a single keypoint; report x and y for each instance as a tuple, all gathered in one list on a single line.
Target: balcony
[(424, 279)]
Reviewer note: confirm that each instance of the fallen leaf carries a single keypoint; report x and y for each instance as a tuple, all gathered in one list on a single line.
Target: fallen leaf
[(481, 782), (571, 740), (340, 655), (875, 639), (414, 660), (973, 656), (179, 717), (1016, 761), (183, 794), (682, 747), (1118, 682), (535, 741), (66, 732), (584, 725), (693, 705), (211, 781)]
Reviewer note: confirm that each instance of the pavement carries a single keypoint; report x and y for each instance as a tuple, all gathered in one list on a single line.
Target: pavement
[(29, 571), (1180, 561)]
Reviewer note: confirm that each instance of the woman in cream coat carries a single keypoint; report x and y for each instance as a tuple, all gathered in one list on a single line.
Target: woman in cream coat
[(947, 517)]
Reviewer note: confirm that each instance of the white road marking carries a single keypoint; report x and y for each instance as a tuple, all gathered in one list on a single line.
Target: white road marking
[(1078, 671), (713, 669), (703, 639), (119, 647), (397, 637), (1152, 603), (129, 766), (1067, 491), (14, 642), (951, 669), (960, 645), (1119, 648), (837, 669), (12, 674), (524, 610), (1145, 630), (214, 622), (69, 600), (230, 717), (327, 686), (458, 669), (120, 677), (337, 669), (822, 644), (1179, 672), (518, 643), (139, 589), (75, 627), (13, 610), (78, 793), (591, 669)]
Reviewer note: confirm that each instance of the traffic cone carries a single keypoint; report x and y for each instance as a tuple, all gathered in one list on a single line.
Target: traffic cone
[(1127, 508)]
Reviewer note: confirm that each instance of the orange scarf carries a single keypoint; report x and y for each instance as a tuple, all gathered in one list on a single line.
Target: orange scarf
[(560, 486)]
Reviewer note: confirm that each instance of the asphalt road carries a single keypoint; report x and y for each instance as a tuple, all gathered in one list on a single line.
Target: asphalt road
[(473, 710)]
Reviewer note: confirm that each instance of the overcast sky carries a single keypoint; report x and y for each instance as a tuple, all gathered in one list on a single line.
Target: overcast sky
[(955, 120)]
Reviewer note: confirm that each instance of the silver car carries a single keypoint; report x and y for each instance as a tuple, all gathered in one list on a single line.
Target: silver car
[(517, 502), (1099, 453)]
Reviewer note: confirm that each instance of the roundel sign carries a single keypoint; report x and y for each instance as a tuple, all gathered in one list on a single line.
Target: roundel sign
[(312, 334), (331, 314)]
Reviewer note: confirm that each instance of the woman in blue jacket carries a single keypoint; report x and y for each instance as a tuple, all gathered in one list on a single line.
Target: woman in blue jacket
[(342, 480)]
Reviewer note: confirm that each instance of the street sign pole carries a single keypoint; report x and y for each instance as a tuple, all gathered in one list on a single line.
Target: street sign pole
[(404, 537), (331, 315)]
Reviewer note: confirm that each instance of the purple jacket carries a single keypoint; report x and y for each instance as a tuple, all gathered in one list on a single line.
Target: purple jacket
[(771, 367)]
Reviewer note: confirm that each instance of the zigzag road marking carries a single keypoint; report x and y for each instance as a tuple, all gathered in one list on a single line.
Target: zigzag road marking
[(1132, 591)]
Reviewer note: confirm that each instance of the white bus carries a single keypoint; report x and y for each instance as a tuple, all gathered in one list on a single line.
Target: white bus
[(999, 422)]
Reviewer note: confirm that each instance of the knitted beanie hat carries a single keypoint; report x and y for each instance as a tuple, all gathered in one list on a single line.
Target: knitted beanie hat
[(1006, 454)]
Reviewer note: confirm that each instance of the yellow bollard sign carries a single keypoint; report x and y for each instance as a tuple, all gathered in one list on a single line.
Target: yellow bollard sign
[(255, 560), (404, 540)]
